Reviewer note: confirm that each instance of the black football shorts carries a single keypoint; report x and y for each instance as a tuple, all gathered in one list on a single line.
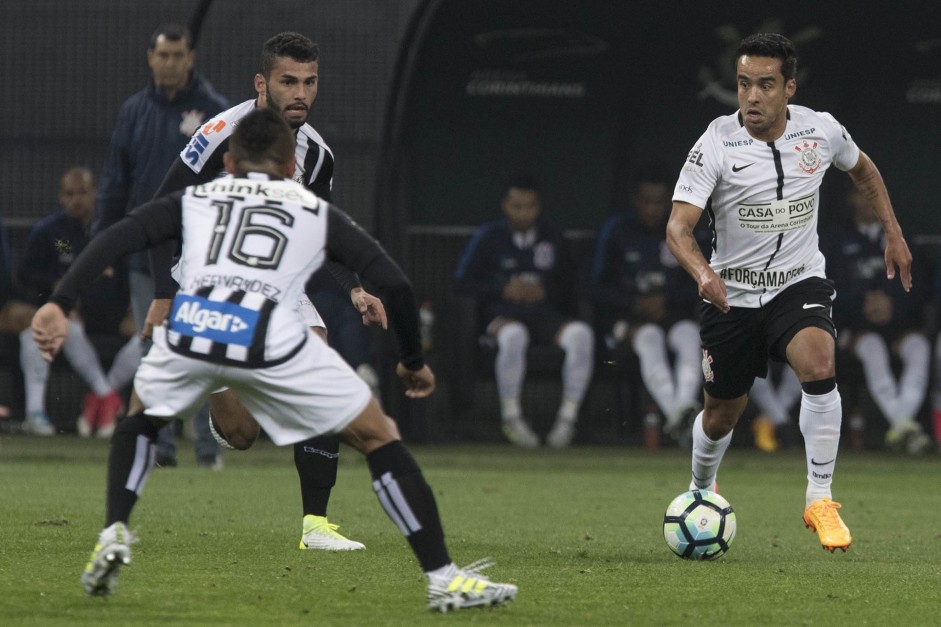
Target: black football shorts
[(736, 346)]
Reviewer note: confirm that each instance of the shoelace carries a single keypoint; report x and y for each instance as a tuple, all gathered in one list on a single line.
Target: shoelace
[(327, 527), (826, 512), (476, 568)]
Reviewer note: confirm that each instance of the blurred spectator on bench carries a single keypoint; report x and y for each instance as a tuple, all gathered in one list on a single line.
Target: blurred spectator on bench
[(53, 243), (645, 303), (519, 271), (933, 328), (15, 315), (880, 327), (774, 397)]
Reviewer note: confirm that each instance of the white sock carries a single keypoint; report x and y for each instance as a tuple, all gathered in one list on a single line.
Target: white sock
[(35, 373), (873, 354), (683, 339), (125, 364), (649, 344), (915, 352), (568, 410), (936, 389), (510, 409), (820, 418), (510, 366), (707, 455), (577, 340), (84, 360)]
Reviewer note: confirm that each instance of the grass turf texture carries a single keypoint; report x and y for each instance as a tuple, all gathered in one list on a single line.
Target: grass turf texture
[(579, 531)]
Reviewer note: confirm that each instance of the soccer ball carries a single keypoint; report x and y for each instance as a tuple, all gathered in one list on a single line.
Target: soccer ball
[(699, 525)]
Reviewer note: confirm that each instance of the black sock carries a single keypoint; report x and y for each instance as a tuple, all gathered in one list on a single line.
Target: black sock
[(130, 460), (316, 461), (409, 502)]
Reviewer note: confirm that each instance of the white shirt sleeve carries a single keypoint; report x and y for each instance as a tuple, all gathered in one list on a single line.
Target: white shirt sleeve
[(845, 150), (700, 172)]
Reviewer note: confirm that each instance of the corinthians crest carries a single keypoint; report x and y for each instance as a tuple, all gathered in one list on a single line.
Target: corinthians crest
[(809, 157), (191, 120)]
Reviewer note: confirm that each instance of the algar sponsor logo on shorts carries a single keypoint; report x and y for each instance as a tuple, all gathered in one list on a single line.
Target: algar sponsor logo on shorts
[(190, 313)]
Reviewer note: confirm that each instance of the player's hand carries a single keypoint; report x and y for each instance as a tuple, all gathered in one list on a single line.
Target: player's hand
[(50, 327), (418, 383), (157, 314), (712, 289), (897, 255), (371, 307)]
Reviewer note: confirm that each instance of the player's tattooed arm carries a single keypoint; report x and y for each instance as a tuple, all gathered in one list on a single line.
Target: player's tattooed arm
[(867, 179)]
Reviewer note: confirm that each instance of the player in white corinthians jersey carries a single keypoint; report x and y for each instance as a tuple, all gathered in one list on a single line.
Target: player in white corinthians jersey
[(266, 235), (757, 175)]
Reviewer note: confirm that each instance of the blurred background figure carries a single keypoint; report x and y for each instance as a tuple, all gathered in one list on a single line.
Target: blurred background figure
[(153, 127), (880, 328), (774, 396), (519, 271), (54, 242), (645, 303)]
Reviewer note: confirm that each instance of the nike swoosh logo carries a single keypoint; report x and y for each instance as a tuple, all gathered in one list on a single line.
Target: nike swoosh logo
[(812, 305), (816, 463), (735, 168)]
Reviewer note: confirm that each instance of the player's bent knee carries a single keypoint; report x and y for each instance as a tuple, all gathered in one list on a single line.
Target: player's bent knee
[(230, 422), (370, 430)]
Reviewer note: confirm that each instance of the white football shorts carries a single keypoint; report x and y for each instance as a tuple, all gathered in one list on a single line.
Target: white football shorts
[(308, 313), (313, 393)]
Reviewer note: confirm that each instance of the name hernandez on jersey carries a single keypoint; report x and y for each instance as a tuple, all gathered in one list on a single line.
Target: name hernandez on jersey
[(313, 159), (763, 199), (249, 245)]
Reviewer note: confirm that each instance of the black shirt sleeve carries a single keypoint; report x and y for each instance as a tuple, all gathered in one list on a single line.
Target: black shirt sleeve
[(350, 245)]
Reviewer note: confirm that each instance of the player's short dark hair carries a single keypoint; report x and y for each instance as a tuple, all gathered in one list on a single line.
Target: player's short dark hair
[(774, 46), (520, 180), (262, 136), (171, 32), (287, 44)]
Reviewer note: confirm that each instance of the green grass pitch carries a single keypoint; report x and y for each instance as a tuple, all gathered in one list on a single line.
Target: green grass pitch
[(578, 530)]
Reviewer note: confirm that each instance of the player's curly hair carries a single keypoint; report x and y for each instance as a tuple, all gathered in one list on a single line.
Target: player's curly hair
[(262, 137), (774, 46), (292, 45)]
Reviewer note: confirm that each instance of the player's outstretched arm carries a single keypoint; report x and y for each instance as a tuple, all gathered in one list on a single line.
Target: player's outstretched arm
[(685, 248), (868, 180)]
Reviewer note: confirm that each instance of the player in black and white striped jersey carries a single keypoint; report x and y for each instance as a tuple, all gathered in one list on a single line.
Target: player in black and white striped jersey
[(288, 84), (249, 245), (757, 174)]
